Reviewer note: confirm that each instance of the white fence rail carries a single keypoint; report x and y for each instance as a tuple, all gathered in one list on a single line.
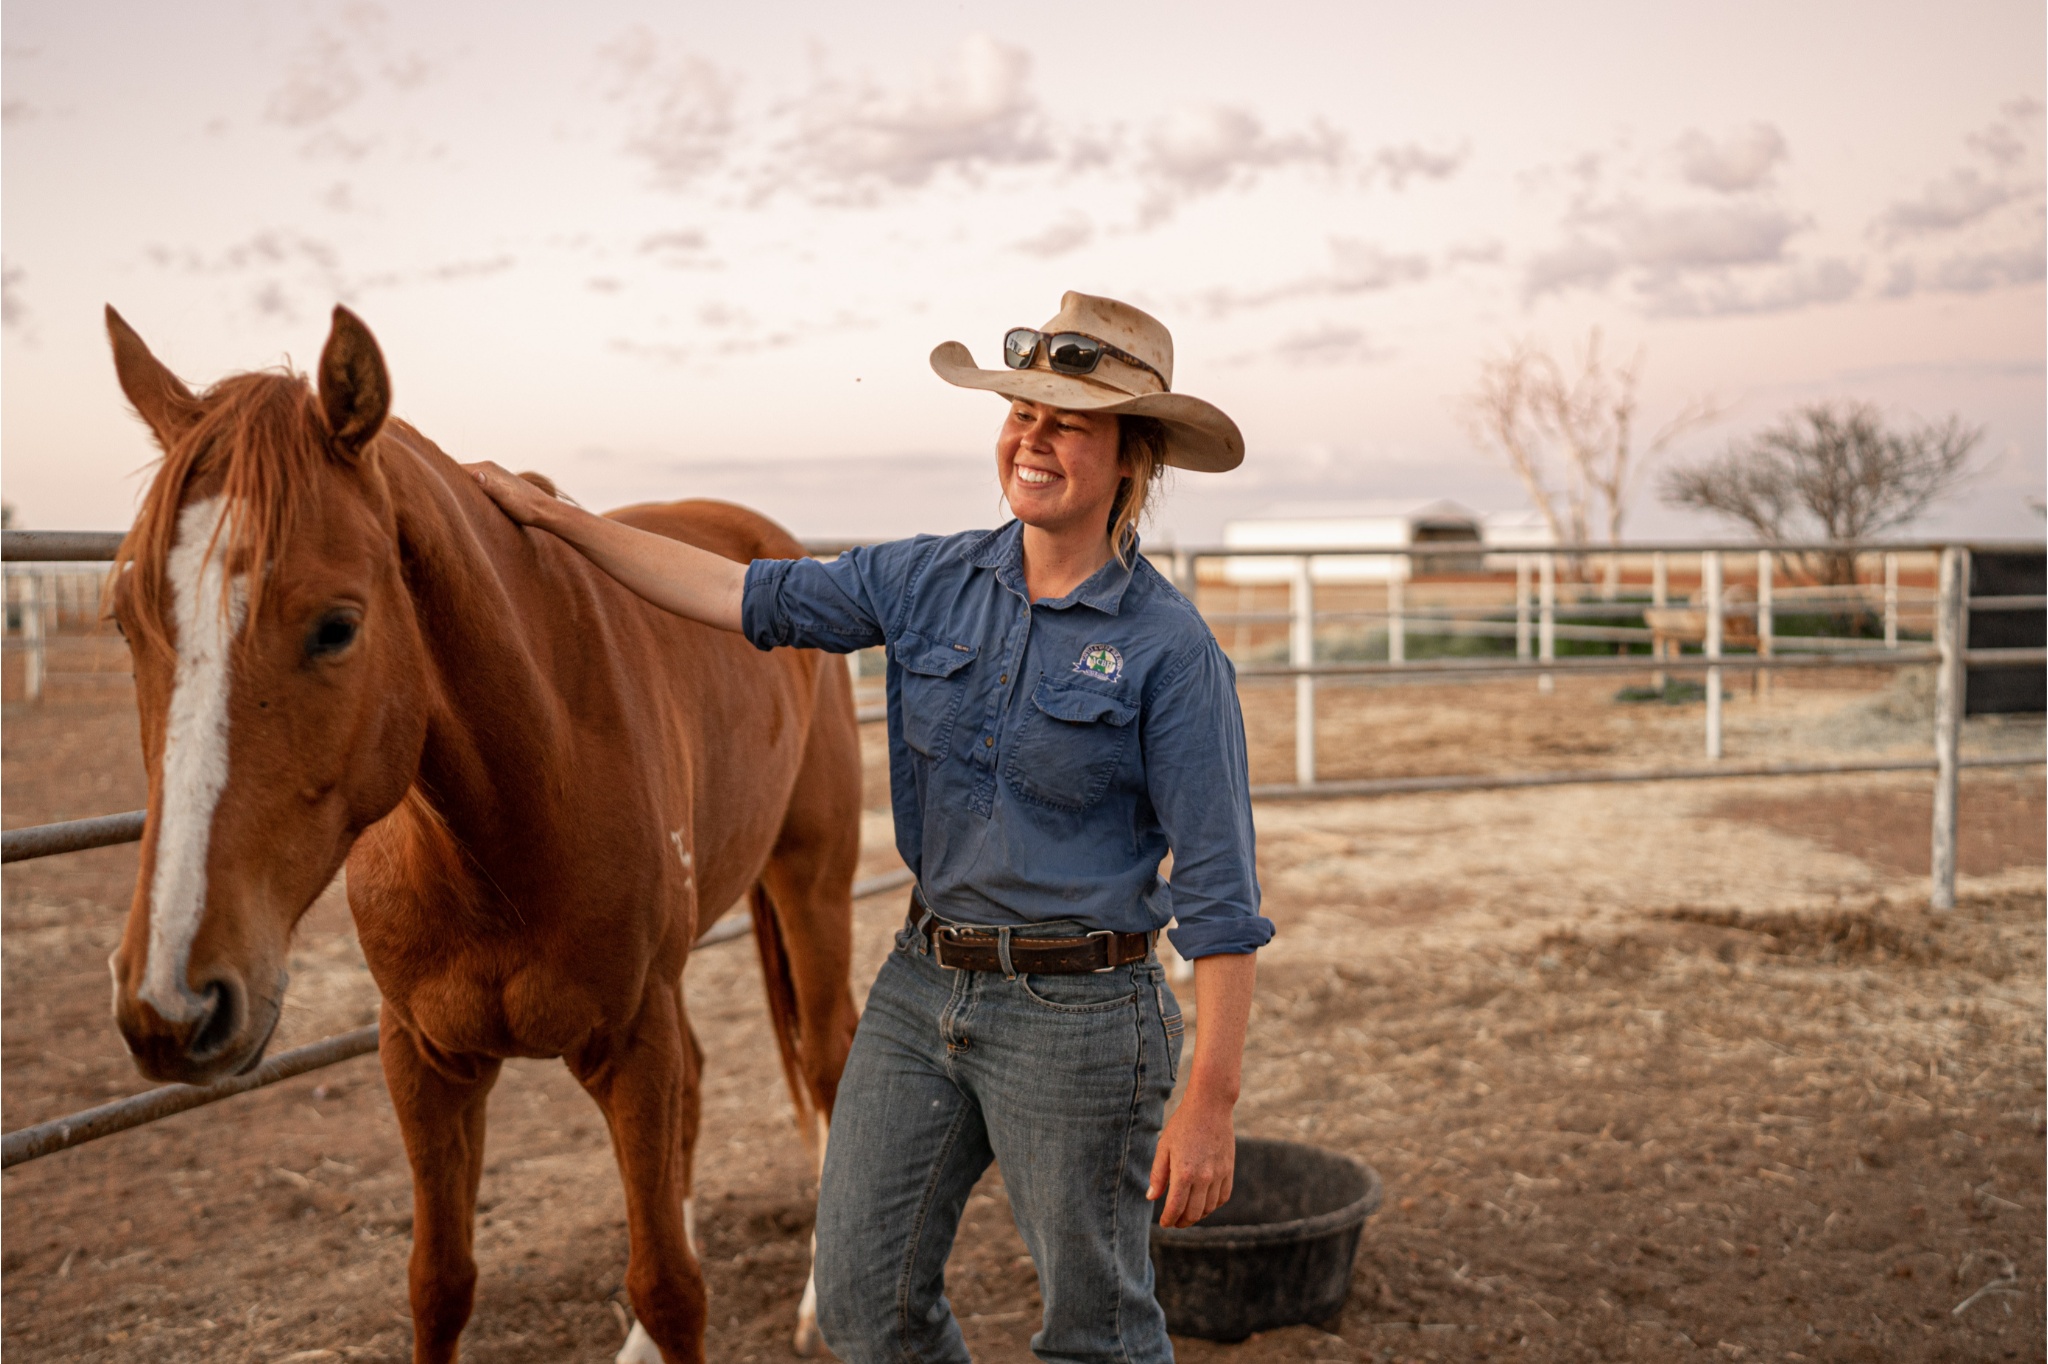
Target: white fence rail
[(37, 592)]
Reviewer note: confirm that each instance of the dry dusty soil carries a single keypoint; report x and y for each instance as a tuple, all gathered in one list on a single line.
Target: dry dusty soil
[(1650, 1072)]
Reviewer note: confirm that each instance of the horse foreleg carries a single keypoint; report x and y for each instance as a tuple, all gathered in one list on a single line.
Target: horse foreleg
[(808, 1339), (440, 1102), (816, 931), (647, 1086)]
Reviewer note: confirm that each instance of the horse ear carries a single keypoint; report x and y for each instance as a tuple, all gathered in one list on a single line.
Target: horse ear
[(355, 388), (159, 397)]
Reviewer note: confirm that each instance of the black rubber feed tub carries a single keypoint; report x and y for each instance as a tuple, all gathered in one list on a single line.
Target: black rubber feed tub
[(1277, 1254)]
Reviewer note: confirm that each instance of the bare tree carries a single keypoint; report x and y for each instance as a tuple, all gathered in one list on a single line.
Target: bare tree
[(1832, 471), (1569, 436)]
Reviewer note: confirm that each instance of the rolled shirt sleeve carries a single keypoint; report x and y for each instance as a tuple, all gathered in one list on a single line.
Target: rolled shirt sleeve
[(1199, 783), (838, 606)]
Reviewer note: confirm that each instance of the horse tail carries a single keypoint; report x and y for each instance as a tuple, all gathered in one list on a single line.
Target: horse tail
[(782, 1010)]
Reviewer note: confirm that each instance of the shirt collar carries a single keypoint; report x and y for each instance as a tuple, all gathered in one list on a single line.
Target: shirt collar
[(1003, 551)]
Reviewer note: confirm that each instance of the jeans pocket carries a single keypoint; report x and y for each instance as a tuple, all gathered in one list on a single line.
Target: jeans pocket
[(1172, 1025), (1086, 992)]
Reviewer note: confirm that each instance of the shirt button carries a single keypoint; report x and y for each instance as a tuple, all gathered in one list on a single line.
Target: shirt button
[(988, 741), (1004, 678)]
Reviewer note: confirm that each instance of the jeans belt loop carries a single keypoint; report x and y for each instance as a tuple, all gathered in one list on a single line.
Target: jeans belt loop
[(1003, 953), (924, 920)]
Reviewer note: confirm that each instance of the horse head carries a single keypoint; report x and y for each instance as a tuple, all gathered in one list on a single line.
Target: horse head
[(261, 594)]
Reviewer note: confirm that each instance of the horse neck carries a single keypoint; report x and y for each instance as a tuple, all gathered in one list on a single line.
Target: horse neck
[(488, 615)]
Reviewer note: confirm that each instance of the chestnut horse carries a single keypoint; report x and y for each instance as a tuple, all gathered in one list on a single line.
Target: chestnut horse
[(543, 789)]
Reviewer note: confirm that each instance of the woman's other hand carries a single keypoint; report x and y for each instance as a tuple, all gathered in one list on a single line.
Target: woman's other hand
[(1197, 1154), (519, 499), (1196, 1161)]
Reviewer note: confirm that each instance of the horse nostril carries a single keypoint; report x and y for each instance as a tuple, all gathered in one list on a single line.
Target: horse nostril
[(223, 1020)]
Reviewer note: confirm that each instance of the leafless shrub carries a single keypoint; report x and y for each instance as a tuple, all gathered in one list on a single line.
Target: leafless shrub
[(1830, 471), (1569, 433)]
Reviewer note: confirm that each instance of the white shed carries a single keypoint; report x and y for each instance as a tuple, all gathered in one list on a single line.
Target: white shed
[(1372, 524)]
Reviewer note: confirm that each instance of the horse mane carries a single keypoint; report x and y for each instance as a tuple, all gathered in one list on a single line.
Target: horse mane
[(263, 435)]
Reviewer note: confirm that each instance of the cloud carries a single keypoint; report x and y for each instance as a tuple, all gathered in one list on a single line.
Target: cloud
[(681, 108), (1356, 267), (1412, 161), (1364, 267), (1579, 264), (682, 248), (1743, 160), (337, 64), (682, 241), (1695, 236), (854, 139), (1797, 285), (1956, 200), (451, 271), (722, 347), (268, 249), (320, 83), (1486, 251), (1070, 233), (1974, 272), (2008, 140), (1660, 243), (2010, 147), (1328, 344), (278, 258), (284, 266), (14, 312), (1202, 150), (270, 300), (1987, 216)]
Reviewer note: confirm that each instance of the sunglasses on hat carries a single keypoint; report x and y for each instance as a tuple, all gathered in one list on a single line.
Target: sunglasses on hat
[(1067, 352)]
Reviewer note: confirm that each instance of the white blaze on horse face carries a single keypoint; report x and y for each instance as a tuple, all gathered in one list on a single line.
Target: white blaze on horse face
[(195, 758)]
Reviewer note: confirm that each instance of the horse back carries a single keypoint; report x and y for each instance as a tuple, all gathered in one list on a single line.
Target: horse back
[(724, 528)]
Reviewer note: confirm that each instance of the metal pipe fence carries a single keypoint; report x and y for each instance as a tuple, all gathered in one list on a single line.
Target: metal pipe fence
[(1534, 627)]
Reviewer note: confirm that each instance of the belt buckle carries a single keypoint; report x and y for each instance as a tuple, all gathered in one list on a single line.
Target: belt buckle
[(1108, 950), (941, 935)]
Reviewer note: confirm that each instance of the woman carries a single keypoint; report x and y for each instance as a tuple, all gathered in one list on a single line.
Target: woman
[(1060, 719)]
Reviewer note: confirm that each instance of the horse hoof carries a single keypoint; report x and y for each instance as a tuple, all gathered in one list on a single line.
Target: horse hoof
[(639, 1348), (807, 1338)]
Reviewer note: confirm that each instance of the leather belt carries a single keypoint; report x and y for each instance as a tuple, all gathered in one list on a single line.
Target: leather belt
[(960, 947)]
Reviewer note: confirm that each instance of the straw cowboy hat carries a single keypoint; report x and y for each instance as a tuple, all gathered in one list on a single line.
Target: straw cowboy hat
[(1099, 355)]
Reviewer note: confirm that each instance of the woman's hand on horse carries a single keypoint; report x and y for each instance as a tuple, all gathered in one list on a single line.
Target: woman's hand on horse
[(520, 500)]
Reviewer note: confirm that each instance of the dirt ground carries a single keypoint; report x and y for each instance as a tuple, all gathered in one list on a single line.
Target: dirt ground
[(1649, 1072)]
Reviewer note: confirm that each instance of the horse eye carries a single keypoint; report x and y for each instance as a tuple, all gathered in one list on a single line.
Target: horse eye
[(335, 632)]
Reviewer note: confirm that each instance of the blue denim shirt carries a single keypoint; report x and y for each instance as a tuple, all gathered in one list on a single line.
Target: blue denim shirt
[(1043, 757)]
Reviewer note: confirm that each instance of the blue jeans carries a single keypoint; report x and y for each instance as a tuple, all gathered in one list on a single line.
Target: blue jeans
[(1062, 1081)]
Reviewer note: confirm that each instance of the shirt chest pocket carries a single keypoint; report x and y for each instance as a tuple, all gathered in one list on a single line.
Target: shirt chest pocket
[(1069, 743), (934, 685)]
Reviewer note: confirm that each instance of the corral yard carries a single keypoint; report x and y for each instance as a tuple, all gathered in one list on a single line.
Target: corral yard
[(1651, 1072)]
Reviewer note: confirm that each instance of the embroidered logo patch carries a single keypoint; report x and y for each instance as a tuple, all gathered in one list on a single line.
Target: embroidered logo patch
[(1101, 660)]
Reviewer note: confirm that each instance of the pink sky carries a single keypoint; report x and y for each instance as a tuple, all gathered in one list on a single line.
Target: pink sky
[(659, 254)]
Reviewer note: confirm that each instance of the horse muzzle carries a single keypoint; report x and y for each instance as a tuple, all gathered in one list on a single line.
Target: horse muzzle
[(224, 1031)]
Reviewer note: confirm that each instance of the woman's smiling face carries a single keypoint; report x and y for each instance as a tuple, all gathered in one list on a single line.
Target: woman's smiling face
[(1059, 469)]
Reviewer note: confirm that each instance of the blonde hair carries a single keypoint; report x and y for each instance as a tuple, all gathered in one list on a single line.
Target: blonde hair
[(1141, 451)]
